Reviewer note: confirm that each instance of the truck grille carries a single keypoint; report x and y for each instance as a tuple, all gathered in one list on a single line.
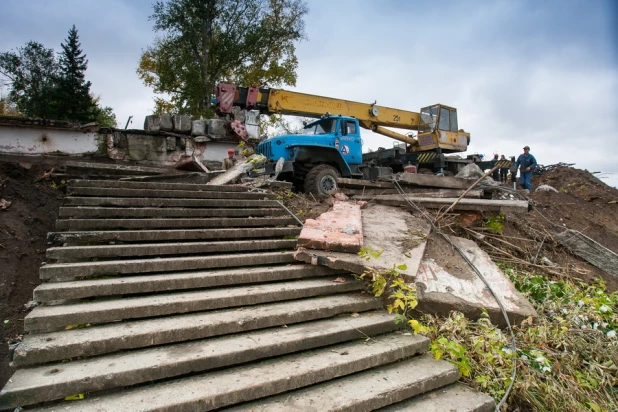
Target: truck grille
[(265, 149)]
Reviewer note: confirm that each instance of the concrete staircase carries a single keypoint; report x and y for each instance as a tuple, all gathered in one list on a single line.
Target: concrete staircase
[(186, 297)]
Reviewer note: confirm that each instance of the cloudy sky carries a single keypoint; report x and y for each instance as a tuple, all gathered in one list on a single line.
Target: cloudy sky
[(537, 73)]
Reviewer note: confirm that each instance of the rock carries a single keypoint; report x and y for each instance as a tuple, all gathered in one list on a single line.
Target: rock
[(4, 204), (216, 128), (546, 188), (470, 171), (198, 128), (201, 139), (151, 123), (341, 196), (31, 305), (165, 122), (182, 123)]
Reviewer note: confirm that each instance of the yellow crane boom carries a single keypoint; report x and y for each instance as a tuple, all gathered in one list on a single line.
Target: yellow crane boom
[(436, 125)]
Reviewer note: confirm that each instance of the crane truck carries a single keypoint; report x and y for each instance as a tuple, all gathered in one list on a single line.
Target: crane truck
[(331, 146)]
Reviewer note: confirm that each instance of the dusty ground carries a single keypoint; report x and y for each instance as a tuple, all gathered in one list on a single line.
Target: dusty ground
[(23, 229)]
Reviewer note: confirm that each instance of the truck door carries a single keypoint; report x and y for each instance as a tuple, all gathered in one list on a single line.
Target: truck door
[(350, 142)]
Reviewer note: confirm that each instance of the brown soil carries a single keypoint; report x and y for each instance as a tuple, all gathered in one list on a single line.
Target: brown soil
[(23, 229), (583, 203)]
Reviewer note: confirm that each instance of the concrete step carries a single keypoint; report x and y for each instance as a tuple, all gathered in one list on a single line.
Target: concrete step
[(169, 235), (124, 184), (70, 271), (97, 340), (166, 202), (102, 224), (119, 169), (147, 212), (364, 391), (75, 253), (453, 398), (187, 194), (41, 384), (175, 281), (50, 318), (244, 383)]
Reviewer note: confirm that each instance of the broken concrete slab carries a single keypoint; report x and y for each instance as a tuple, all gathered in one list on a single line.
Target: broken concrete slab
[(435, 181), (216, 127), (589, 250), (198, 128), (446, 283), (400, 235), (182, 123), (476, 205), (238, 170), (416, 192), (165, 122), (340, 229)]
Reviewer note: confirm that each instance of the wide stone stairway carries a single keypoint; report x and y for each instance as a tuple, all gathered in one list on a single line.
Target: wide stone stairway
[(186, 297)]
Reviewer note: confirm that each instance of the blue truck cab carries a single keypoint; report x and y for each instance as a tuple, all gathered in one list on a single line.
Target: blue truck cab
[(324, 150)]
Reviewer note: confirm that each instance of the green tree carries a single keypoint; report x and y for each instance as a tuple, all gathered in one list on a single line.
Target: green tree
[(73, 90), (31, 72), (207, 41)]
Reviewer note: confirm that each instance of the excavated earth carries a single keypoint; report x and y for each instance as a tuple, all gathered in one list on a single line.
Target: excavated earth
[(583, 203)]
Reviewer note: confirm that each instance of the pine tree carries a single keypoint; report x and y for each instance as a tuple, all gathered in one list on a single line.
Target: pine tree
[(75, 102)]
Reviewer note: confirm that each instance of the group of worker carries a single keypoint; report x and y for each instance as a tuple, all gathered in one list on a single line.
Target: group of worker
[(525, 163)]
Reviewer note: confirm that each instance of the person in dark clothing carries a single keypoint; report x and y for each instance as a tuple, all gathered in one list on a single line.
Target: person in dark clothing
[(495, 174), (526, 163), (513, 171), (504, 171)]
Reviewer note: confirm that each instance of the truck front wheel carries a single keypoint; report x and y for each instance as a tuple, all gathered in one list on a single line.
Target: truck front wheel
[(321, 180)]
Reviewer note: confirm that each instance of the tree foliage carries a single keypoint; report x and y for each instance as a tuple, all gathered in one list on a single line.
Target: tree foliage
[(44, 85), (203, 42)]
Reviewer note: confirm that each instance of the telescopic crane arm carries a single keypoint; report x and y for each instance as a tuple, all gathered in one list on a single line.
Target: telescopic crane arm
[(370, 116)]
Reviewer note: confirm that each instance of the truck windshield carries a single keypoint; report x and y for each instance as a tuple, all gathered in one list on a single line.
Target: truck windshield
[(322, 127), (429, 115)]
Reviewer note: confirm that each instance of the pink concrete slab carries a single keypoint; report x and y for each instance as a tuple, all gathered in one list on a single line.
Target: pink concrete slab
[(339, 229)]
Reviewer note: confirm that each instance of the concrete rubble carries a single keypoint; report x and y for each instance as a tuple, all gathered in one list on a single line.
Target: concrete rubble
[(393, 237)]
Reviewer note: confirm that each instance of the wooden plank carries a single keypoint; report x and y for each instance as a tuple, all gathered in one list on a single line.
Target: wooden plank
[(589, 250), (479, 205)]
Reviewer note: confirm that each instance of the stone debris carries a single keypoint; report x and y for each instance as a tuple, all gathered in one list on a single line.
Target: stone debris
[(545, 188), (198, 128)]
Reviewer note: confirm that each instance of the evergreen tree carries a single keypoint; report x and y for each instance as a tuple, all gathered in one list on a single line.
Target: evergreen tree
[(75, 103)]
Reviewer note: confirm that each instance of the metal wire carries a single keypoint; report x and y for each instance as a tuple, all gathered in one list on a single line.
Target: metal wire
[(480, 275), (290, 212)]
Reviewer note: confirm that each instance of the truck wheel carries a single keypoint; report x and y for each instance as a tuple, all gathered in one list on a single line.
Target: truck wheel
[(321, 180)]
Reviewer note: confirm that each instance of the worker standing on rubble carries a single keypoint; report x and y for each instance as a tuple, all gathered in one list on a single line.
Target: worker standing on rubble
[(229, 161), (513, 172), (526, 163)]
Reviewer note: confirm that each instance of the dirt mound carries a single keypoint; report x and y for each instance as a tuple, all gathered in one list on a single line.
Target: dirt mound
[(579, 183), (23, 229)]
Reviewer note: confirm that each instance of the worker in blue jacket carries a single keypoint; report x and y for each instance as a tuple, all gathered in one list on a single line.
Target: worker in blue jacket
[(526, 163)]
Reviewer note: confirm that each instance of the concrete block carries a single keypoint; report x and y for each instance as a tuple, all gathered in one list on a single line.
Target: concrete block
[(216, 127), (198, 127), (151, 123), (244, 383), (171, 143), (114, 212), (175, 281), (80, 253), (456, 397), (340, 229), (474, 205), (69, 271), (107, 236), (364, 391), (97, 340), (130, 368), (446, 283), (165, 122), (182, 123), (435, 181), (50, 318), (400, 235)]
